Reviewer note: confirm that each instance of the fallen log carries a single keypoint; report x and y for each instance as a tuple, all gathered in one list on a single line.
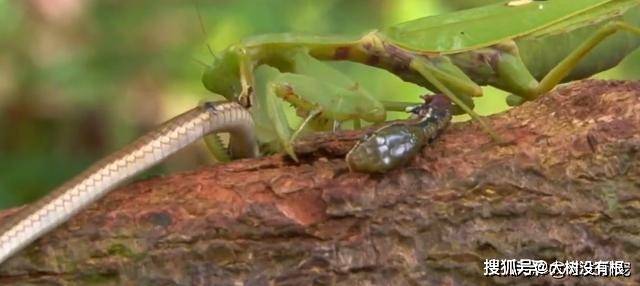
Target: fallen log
[(565, 186)]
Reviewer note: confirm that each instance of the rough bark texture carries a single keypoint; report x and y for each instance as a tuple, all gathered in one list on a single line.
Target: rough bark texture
[(565, 187)]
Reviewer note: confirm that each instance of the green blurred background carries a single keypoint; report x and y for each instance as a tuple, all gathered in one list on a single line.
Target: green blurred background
[(79, 79)]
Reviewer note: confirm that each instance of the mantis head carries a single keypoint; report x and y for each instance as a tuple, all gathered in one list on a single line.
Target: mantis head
[(222, 76)]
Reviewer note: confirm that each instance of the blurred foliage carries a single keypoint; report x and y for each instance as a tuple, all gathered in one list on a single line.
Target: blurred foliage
[(82, 78)]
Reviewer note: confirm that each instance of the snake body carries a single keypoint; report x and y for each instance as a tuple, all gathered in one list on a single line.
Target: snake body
[(385, 149), (39, 218)]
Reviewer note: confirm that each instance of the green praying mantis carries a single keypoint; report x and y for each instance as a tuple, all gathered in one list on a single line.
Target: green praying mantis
[(524, 47)]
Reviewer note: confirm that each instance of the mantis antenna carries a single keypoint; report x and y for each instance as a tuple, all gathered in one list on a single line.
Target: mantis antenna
[(200, 62), (204, 30)]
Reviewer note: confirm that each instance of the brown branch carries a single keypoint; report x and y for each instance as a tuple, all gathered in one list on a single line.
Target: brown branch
[(566, 186)]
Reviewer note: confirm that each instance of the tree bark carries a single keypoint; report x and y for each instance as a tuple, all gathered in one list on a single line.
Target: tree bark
[(565, 186)]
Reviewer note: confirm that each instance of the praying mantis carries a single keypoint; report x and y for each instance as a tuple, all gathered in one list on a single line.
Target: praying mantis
[(524, 47)]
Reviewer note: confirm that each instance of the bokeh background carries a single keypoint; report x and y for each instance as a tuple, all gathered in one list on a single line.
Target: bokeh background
[(80, 78)]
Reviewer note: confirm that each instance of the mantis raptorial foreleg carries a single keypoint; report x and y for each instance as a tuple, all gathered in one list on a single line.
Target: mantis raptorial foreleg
[(311, 97), (322, 94), (268, 114), (216, 148)]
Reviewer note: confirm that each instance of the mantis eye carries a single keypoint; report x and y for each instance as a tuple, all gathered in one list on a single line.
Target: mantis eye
[(223, 76)]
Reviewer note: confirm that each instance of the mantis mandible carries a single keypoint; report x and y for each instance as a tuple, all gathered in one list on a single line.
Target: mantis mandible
[(523, 47)]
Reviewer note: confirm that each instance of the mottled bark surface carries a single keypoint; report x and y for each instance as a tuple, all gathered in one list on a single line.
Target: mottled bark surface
[(565, 187)]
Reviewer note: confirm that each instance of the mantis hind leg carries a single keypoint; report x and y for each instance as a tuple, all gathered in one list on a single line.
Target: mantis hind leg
[(272, 126), (563, 68)]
